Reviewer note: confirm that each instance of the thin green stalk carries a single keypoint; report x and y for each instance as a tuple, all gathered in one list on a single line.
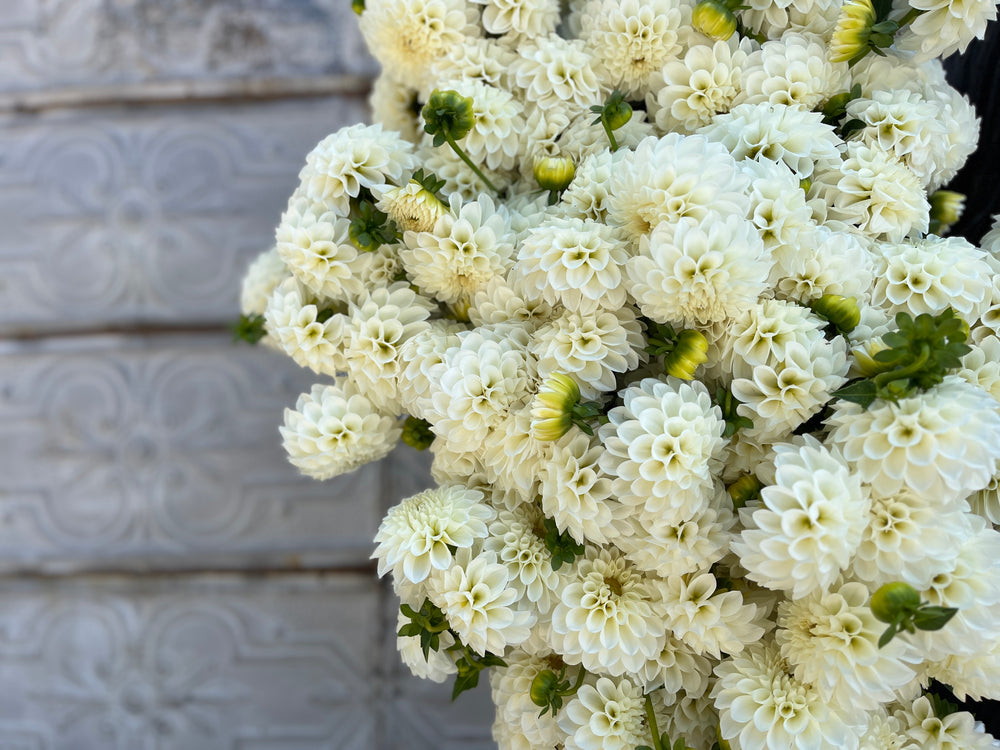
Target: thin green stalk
[(611, 135), (651, 720), (912, 369), (458, 150)]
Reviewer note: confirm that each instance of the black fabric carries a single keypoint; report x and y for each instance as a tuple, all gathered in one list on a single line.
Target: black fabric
[(977, 74)]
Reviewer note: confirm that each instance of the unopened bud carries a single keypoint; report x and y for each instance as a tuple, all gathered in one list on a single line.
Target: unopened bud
[(554, 172), (552, 409), (690, 351), (842, 313), (714, 19)]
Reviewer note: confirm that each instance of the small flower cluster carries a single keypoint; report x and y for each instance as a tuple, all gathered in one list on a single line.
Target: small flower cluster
[(654, 280)]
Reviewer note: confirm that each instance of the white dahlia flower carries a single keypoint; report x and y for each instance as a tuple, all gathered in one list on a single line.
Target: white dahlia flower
[(631, 40), (764, 707), (421, 355), (380, 322), (500, 302), (928, 275), (810, 522), (411, 207), (827, 262), (691, 716), (908, 538), (885, 732), (526, 18), (778, 207), (587, 195), (437, 666), (793, 70), (316, 247), (708, 621), (779, 132), (698, 271), (783, 394), (498, 123), (945, 26), (416, 534), (517, 537), (877, 193), (666, 179), (609, 617), (608, 715), (575, 492), (905, 125), (511, 690), (334, 429), (355, 157), (484, 59), (956, 731), (467, 248), (676, 668), (511, 454), (662, 447), (831, 641), (476, 596), (591, 348), (942, 444), (970, 676), (981, 366), (479, 385), (556, 72), (262, 277), (393, 104), (408, 36), (309, 332), (698, 86), (573, 262)]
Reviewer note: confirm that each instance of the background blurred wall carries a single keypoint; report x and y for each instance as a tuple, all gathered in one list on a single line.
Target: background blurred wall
[(166, 579)]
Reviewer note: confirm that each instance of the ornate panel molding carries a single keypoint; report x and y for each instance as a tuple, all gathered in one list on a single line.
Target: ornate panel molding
[(125, 217), (65, 43), (228, 663), (164, 452)]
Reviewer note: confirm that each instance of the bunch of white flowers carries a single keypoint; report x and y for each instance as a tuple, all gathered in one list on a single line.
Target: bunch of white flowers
[(712, 400)]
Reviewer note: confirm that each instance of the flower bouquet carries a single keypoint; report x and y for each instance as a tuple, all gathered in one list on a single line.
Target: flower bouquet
[(666, 290)]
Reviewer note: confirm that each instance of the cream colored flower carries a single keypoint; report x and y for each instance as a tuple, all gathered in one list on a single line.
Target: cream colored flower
[(529, 18), (793, 70), (631, 40), (662, 446), (415, 535), (517, 537), (438, 666), (408, 36), (810, 522), (573, 262), (467, 248), (592, 348), (609, 617), (708, 621), (316, 247), (831, 641), (511, 689), (355, 157), (698, 271), (702, 84), (575, 492), (956, 731), (299, 325), (604, 716), (945, 26), (767, 708), (262, 276), (942, 444), (556, 72), (476, 596)]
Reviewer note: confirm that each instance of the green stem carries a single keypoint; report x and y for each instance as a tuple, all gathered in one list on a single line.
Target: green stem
[(651, 720), (462, 155), (913, 368), (611, 135), (909, 17), (579, 681)]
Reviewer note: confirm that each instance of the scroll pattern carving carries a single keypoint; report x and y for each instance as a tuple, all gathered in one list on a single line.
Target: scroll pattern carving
[(166, 448), (125, 217)]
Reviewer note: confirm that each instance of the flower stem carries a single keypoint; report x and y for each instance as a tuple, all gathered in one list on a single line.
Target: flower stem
[(611, 135), (462, 155), (651, 720), (913, 368)]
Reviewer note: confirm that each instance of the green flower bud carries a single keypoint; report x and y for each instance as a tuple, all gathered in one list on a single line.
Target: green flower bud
[(358, 6), (743, 490), (947, 207), (552, 409), (617, 112), (714, 19), (894, 600), (542, 687), (448, 112), (690, 351), (852, 31), (842, 313), (554, 172), (417, 433)]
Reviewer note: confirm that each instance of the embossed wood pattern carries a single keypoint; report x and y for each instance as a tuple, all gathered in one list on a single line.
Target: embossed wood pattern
[(167, 580)]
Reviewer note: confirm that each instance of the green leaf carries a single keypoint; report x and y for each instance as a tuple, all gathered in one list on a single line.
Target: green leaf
[(887, 635), (933, 618), (249, 328), (465, 681), (861, 392)]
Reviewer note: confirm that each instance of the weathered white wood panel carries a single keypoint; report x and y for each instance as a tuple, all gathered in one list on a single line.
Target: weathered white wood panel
[(195, 663), (93, 44), (130, 216), (164, 452)]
